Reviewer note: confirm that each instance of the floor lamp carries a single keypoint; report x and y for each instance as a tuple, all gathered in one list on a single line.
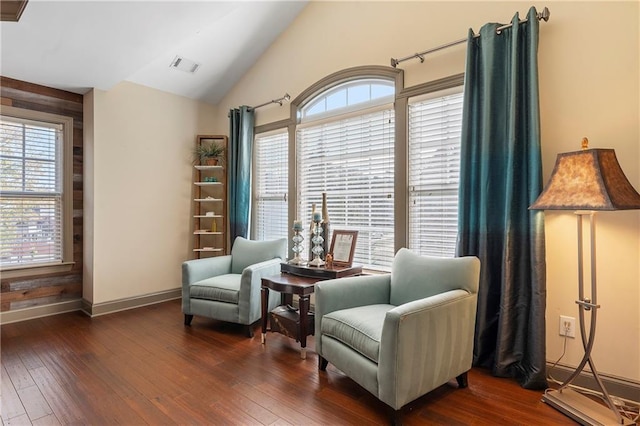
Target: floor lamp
[(587, 181)]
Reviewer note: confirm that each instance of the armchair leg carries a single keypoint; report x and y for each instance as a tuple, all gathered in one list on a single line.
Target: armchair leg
[(187, 319), (396, 417), (462, 380), (322, 363), (248, 330)]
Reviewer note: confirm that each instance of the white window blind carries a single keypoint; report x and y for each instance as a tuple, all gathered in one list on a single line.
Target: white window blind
[(434, 171), (30, 192), (351, 158), (271, 183)]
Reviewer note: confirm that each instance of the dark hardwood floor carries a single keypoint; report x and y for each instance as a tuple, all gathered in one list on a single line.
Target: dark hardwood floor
[(144, 366)]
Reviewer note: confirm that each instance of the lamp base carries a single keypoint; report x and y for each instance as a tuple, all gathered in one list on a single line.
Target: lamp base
[(582, 409), (317, 262), (297, 261)]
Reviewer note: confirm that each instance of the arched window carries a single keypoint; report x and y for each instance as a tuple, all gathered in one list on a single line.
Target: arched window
[(345, 147), (346, 143), (349, 96)]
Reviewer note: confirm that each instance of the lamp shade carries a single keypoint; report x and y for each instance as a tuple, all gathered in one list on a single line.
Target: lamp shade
[(591, 179)]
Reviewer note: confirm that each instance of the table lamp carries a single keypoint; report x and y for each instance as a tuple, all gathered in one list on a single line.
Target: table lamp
[(587, 181)]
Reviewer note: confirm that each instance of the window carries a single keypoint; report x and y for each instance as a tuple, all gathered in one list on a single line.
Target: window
[(35, 192), (354, 95), (434, 171), (349, 154), (270, 189)]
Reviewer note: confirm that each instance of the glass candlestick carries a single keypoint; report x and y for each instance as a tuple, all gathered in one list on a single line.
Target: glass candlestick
[(317, 241), (297, 247)]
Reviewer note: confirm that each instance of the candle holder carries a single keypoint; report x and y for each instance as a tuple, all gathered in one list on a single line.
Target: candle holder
[(317, 241), (297, 247)]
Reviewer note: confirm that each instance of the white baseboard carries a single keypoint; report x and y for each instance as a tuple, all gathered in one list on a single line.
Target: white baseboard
[(40, 311), (88, 308), (616, 386), (104, 308)]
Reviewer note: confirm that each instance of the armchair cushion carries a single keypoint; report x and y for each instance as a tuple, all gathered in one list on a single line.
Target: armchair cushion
[(246, 252), (223, 288), (359, 328)]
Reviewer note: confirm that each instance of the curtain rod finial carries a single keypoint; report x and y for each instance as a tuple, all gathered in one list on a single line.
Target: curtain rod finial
[(544, 15)]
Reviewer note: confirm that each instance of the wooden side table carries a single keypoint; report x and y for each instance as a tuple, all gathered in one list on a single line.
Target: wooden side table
[(289, 285)]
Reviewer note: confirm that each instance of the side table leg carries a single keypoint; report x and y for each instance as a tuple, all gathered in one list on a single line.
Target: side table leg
[(304, 310), (265, 307)]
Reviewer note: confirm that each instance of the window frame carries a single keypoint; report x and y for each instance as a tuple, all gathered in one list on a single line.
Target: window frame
[(402, 94), (383, 115), (66, 263), (349, 108)]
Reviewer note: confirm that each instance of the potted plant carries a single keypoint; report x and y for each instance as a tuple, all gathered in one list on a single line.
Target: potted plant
[(208, 154)]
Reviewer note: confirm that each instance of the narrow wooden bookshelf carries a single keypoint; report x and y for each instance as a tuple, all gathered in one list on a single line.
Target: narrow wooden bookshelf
[(210, 202)]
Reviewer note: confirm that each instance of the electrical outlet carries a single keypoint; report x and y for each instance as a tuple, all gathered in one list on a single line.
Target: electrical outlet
[(567, 326)]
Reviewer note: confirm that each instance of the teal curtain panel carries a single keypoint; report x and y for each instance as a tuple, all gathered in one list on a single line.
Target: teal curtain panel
[(241, 132), (501, 175)]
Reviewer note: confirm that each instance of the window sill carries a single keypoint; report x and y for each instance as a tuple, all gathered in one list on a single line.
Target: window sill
[(31, 271)]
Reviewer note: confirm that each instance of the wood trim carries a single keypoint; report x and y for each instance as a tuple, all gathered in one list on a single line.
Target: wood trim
[(11, 10), (431, 86), (85, 306), (97, 309), (40, 311), (343, 76), (276, 125), (32, 88), (56, 290), (50, 288), (36, 270), (620, 387)]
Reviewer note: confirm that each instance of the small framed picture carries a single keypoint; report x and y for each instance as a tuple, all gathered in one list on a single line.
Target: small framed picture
[(343, 245)]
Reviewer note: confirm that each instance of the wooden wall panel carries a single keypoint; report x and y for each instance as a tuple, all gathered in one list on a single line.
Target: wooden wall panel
[(24, 292)]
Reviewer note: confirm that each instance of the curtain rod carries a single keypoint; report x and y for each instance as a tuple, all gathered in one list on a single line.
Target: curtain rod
[(286, 97), (544, 15)]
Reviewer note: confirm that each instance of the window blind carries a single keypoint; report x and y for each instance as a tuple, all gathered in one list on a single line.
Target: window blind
[(352, 160), (434, 171), (270, 189), (30, 192)]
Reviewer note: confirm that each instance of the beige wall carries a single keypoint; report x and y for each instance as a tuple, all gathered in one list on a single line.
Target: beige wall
[(139, 187), (589, 86)]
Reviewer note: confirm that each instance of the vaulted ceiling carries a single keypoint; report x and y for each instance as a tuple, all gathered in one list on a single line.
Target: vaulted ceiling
[(79, 45)]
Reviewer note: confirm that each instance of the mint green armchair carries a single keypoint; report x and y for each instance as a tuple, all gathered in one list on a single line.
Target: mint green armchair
[(227, 288), (403, 334)]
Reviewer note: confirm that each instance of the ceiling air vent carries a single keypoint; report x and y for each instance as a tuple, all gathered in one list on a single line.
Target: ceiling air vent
[(184, 64)]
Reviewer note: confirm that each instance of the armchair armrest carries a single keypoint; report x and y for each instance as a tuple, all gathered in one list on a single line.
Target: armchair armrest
[(441, 328), (200, 269), (250, 284), (350, 292)]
